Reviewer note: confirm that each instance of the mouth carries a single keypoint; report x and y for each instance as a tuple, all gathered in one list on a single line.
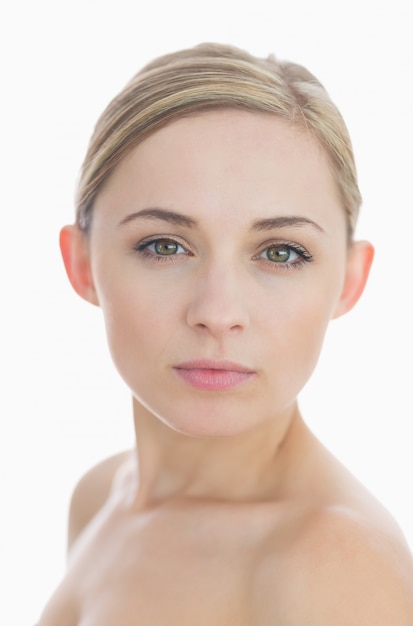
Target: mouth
[(213, 375)]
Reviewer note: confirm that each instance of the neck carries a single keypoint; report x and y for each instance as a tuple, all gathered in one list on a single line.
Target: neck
[(248, 467)]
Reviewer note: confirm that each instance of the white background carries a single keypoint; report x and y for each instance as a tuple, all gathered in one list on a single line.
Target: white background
[(62, 404)]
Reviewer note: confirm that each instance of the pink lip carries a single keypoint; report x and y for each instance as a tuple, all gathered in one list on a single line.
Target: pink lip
[(213, 375)]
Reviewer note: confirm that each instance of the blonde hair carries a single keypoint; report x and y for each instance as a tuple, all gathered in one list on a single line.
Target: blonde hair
[(213, 76)]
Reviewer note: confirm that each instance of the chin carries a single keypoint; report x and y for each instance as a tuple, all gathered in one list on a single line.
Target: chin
[(216, 422)]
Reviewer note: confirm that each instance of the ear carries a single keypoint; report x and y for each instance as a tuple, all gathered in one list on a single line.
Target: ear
[(359, 260), (74, 246)]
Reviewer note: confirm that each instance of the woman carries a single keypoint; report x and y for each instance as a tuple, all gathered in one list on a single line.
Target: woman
[(215, 220)]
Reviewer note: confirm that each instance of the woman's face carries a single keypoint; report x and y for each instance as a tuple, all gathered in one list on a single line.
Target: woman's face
[(218, 254)]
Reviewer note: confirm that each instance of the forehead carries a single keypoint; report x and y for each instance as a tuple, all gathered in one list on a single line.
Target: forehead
[(225, 161)]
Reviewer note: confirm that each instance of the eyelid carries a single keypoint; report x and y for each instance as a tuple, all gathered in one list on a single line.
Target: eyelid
[(303, 254), (292, 245), (303, 257), (142, 248), (147, 241)]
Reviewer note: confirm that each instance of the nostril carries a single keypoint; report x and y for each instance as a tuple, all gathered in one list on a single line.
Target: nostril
[(217, 305), (218, 324)]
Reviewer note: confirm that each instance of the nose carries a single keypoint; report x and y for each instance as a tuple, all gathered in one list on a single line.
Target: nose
[(218, 303)]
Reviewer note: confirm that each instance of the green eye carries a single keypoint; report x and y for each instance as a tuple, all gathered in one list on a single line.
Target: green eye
[(280, 254), (159, 249), (165, 248)]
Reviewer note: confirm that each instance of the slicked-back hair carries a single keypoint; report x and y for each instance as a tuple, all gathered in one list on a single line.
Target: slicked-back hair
[(210, 77)]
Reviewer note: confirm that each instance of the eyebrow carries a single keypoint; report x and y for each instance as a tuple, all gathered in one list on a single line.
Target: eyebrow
[(285, 221), (179, 219), (155, 213)]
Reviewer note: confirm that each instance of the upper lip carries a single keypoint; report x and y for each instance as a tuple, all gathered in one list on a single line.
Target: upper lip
[(213, 364)]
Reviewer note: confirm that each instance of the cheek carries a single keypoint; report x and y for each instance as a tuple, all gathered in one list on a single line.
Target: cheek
[(298, 339), (140, 323), (297, 321)]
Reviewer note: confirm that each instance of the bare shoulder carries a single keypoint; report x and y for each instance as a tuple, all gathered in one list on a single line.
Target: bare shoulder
[(365, 570), (342, 568), (92, 491)]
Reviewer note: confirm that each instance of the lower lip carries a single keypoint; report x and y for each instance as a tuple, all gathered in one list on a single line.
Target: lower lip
[(213, 379)]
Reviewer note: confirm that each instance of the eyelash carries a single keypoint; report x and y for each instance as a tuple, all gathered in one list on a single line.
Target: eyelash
[(142, 248), (303, 255)]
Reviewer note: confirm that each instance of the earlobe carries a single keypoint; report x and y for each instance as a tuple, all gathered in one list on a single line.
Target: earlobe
[(360, 258), (75, 252)]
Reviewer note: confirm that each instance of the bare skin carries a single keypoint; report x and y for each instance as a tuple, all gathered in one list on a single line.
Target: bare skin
[(309, 552), (229, 510)]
